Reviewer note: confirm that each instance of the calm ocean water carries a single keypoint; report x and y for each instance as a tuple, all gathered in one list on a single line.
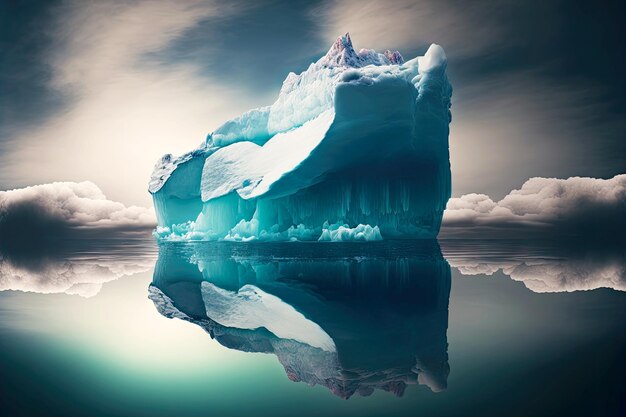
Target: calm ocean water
[(398, 328)]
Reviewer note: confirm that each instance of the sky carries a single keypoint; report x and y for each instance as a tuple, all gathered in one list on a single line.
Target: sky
[(99, 90)]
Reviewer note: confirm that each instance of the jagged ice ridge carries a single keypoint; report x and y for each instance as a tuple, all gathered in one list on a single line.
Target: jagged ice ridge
[(354, 148)]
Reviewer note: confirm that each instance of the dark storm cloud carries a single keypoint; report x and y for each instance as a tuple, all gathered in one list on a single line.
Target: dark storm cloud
[(512, 127), (569, 39), (124, 110), (25, 94), (256, 47), (538, 86), (548, 102)]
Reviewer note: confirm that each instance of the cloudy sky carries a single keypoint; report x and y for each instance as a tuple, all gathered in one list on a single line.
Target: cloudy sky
[(99, 90)]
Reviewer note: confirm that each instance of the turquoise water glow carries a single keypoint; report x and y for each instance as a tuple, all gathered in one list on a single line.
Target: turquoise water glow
[(396, 312)]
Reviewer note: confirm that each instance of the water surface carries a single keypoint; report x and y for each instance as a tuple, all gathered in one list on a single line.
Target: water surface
[(390, 328)]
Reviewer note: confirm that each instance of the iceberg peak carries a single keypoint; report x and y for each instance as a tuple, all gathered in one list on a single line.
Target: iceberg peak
[(341, 54)]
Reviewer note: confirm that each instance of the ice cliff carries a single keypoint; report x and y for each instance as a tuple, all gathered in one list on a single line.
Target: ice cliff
[(354, 148)]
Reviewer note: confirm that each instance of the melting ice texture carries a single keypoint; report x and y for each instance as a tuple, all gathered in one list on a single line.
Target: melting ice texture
[(354, 148)]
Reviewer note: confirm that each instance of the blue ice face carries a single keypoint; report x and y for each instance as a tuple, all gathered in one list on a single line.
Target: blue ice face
[(354, 148)]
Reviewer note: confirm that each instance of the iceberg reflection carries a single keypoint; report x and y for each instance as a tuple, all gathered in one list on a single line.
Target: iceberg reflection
[(351, 317)]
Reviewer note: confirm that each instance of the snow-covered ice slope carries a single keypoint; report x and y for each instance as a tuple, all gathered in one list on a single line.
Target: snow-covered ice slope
[(357, 143)]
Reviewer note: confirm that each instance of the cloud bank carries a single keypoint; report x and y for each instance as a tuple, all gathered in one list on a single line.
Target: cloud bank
[(64, 209), (588, 208)]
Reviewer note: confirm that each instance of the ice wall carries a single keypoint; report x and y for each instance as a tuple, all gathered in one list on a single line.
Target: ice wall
[(358, 142)]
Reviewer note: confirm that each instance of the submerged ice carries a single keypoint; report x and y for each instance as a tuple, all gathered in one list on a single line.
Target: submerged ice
[(354, 148)]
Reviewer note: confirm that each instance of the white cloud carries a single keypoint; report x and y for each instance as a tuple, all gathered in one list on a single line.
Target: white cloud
[(67, 205), (585, 207)]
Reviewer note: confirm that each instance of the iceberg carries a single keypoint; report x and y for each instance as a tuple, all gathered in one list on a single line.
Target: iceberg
[(354, 148)]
